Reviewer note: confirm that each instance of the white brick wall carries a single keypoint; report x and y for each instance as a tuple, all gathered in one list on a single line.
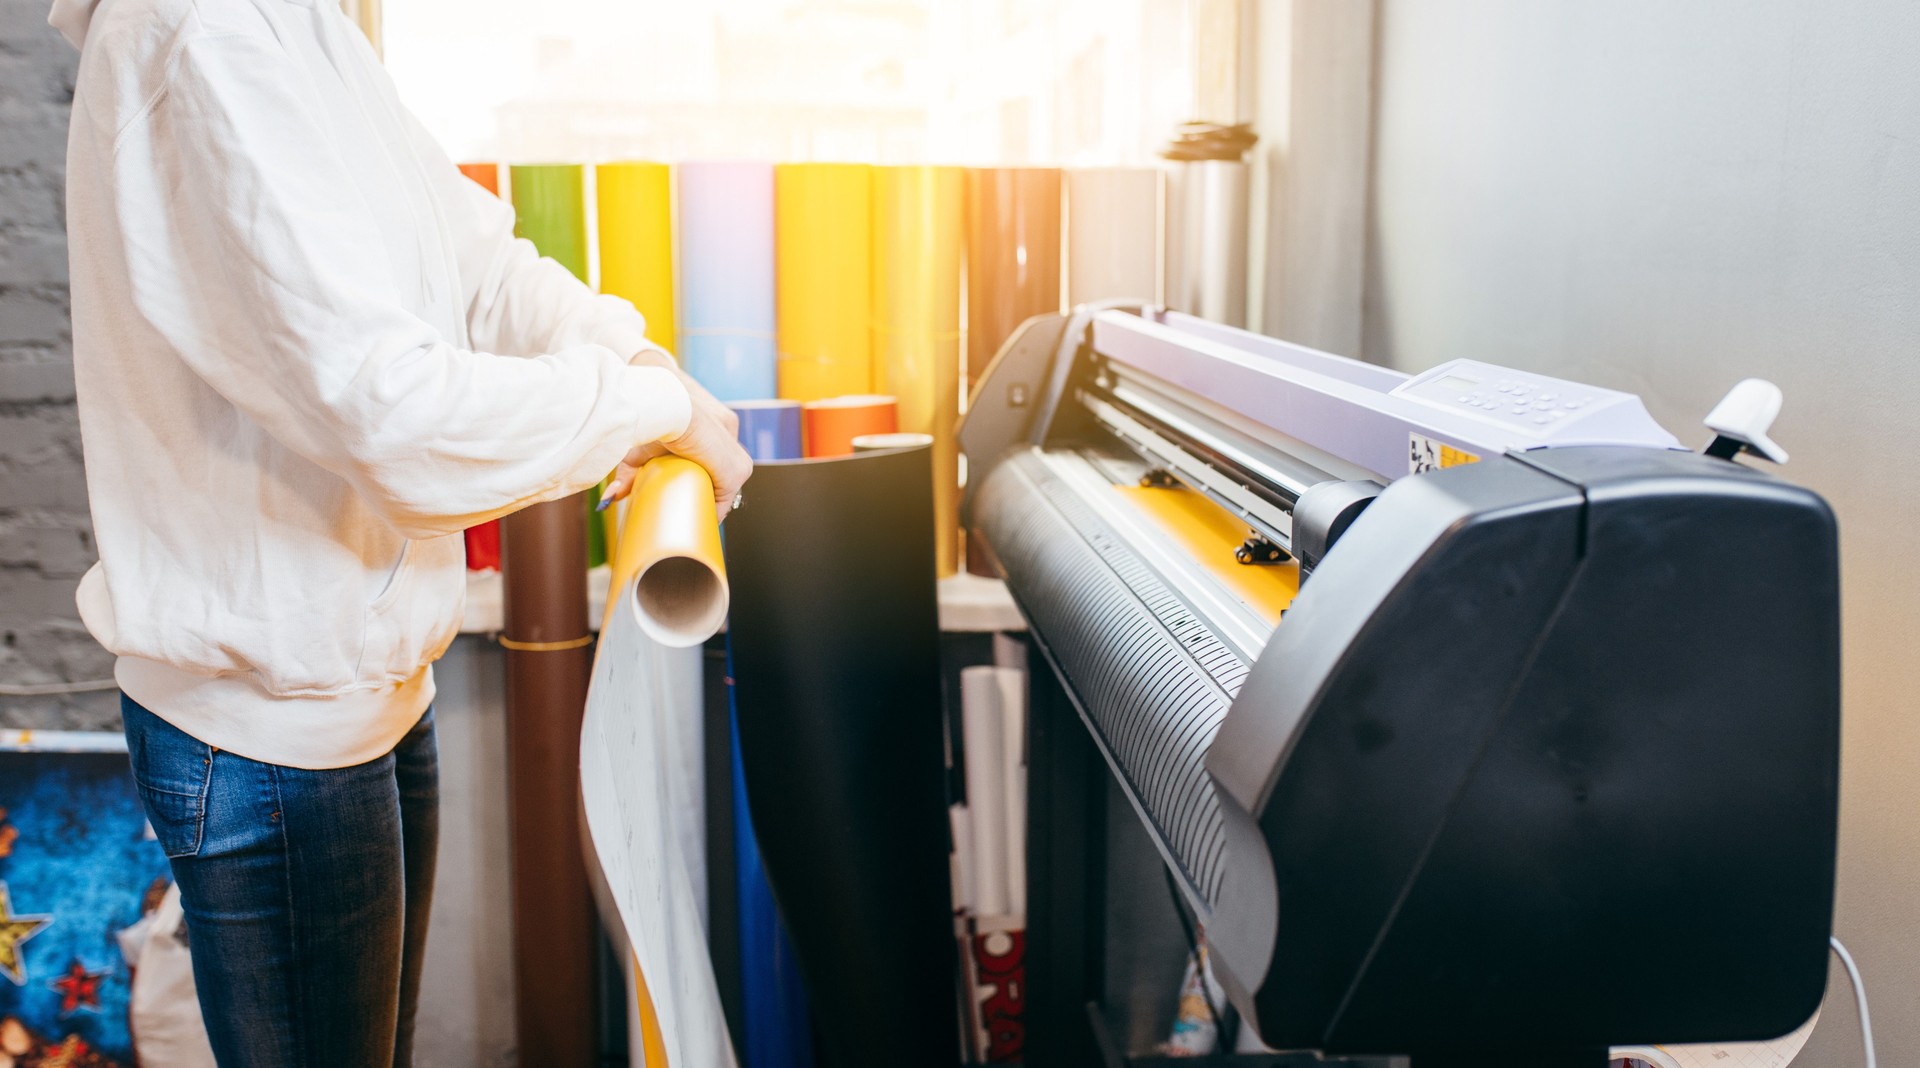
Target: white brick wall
[(46, 541)]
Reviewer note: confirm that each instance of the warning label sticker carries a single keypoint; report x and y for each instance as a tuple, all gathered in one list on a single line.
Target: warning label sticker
[(1425, 454)]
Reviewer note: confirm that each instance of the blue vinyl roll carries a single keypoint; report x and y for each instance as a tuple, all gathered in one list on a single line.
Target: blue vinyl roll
[(733, 366), (775, 1022), (725, 285), (769, 429)]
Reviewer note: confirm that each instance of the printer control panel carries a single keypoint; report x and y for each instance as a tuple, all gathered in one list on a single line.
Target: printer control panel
[(1535, 406)]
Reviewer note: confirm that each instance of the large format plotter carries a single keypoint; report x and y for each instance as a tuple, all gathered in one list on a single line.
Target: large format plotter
[(1475, 716)]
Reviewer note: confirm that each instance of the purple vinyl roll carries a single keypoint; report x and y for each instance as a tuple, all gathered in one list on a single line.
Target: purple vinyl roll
[(724, 223)]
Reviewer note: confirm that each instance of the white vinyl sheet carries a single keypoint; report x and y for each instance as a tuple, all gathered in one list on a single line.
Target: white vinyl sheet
[(639, 761)]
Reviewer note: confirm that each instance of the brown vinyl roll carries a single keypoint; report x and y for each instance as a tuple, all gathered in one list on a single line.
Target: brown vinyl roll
[(544, 563), (1013, 254)]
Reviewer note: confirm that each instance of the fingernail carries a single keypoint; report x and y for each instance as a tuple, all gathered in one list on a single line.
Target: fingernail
[(606, 498)]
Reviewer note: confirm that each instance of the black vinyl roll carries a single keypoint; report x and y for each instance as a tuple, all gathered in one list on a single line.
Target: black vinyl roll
[(835, 636)]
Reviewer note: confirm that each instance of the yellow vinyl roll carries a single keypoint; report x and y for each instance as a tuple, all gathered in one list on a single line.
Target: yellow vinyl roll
[(918, 235), (652, 1045), (635, 202), (668, 569), (1210, 533), (823, 278)]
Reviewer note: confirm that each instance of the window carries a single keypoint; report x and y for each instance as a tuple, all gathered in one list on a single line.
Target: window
[(882, 81)]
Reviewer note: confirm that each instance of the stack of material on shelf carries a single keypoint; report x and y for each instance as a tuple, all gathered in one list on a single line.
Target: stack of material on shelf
[(990, 858)]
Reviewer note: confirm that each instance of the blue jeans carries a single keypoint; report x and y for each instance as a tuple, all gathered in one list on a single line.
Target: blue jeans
[(306, 893)]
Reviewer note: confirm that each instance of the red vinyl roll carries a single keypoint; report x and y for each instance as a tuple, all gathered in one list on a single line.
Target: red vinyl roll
[(483, 541), (483, 546), (829, 426)]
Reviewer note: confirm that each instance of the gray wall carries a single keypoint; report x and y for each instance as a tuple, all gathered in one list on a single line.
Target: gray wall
[(1667, 197), (46, 541)]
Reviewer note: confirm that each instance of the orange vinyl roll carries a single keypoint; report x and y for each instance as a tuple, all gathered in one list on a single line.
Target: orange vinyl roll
[(829, 426), (486, 174), (1013, 255)]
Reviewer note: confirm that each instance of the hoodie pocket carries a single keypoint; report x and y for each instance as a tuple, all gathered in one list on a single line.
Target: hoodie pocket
[(411, 620), (379, 631), (394, 579)]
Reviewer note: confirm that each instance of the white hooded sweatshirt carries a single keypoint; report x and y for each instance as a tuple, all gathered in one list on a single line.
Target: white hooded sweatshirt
[(285, 305)]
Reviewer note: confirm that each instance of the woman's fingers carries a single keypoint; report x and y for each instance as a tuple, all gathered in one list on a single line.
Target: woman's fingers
[(617, 487)]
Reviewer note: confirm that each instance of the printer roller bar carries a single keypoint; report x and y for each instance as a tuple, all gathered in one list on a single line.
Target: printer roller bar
[(1149, 672), (1269, 517)]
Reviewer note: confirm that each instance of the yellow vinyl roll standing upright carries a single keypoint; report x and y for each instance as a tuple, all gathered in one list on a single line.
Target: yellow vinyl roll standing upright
[(823, 278), (636, 241), (635, 205), (918, 235)]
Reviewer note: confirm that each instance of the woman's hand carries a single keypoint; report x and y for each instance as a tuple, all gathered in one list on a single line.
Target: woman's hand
[(711, 440)]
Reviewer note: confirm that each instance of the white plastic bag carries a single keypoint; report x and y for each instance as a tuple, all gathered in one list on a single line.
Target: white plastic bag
[(166, 1024)]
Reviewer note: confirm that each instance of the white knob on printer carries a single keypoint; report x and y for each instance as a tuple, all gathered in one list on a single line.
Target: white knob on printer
[(1741, 421)]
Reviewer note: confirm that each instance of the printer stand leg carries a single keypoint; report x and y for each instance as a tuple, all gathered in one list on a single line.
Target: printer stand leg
[(1066, 836)]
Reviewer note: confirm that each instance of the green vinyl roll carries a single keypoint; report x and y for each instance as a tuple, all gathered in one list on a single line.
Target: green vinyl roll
[(550, 200), (550, 203), (596, 530)]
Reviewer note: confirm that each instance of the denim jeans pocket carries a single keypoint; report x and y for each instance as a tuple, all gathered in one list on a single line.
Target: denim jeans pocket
[(177, 820), (172, 770)]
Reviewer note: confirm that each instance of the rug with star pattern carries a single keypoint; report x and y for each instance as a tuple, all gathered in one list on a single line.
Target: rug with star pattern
[(77, 866)]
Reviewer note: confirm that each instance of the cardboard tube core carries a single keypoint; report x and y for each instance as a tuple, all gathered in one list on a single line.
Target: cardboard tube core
[(680, 601), (670, 557)]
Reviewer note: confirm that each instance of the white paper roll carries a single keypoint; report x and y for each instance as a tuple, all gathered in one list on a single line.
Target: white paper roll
[(1010, 650), (1113, 234), (1013, 712), (983, 733), (961, 823), (1206, 240)]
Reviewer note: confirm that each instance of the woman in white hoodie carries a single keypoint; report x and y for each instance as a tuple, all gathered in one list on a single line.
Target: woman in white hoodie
[(308, 354)]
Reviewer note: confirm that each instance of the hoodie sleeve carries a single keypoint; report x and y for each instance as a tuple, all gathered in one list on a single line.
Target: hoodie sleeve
[(289, 309), (516, 300)]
